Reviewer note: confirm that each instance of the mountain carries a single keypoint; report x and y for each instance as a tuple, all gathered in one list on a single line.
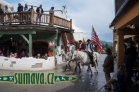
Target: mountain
[(104, 42)]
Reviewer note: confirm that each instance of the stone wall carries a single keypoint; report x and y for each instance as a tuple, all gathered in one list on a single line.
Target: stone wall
[(30, 63)]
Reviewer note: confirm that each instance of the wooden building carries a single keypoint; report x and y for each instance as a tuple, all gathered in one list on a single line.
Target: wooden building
[(126, 26), (25, 26)]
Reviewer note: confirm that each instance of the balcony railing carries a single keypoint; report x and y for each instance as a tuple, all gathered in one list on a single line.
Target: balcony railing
[(34, 18)]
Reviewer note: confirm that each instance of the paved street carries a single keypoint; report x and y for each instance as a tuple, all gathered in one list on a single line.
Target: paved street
[(85, 84)]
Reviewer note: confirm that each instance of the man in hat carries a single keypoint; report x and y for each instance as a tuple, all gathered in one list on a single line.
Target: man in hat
[(89, 49), (130, 58), (108, 67), (81, 46)]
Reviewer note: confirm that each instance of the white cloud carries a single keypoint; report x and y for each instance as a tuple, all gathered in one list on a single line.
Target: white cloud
[(84, 14)]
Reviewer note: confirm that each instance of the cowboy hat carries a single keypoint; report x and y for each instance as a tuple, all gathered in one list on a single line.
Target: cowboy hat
[(130, 41), (88, 40), (108, 50)]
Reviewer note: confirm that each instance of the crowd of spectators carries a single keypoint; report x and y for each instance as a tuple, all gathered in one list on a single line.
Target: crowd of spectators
[(22, 16), (6, 53)]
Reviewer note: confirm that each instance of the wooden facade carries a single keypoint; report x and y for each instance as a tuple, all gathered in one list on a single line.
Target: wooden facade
[(26, 25), (125, 26)]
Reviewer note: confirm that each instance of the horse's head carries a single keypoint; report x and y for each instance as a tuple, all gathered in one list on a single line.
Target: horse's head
[(74, 55), (62, 52)]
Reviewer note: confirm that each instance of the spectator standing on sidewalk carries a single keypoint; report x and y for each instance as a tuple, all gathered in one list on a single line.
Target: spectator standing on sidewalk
[(108, 67)]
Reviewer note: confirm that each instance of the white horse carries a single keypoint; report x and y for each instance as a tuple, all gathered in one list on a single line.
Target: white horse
[(82, 58), (68, 58)]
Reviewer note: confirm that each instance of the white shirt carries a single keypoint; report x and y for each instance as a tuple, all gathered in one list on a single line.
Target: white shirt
[(88, 48), (72, 47)]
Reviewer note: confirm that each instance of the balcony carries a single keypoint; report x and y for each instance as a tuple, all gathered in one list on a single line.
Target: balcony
[(33, 18)]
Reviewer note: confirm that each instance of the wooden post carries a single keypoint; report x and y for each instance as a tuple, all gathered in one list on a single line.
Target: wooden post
[(32, 16), (30, 45), (52, 17), (114, 47), (113, 43), (134, 39), (70, 24), (138, 46), (120, 51)]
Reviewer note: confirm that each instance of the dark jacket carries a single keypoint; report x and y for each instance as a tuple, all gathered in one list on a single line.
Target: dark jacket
[(130, 55), (30, 9), (20, 8), (82, 47), (38, 10), (109, 64)]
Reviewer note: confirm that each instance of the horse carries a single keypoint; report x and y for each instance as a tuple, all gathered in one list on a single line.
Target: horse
[(96, 55), (68, 58), (82, 58)]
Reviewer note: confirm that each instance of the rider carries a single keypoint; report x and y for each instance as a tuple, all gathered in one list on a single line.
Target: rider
[(81, 46), (71, 47), (89, 49)]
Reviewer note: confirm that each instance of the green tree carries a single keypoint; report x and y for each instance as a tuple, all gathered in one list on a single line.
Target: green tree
[(111, 47), (106, 46), (103, 46)]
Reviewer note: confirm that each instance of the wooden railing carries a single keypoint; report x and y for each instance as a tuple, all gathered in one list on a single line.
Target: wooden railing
[(34, 18), (61, 22), (15, 18)]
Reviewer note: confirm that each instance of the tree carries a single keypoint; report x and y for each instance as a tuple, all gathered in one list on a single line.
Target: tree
[(106, 46), (103, 46)]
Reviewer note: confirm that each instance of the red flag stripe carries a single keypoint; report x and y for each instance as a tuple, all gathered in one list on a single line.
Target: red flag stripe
[(96, 40)]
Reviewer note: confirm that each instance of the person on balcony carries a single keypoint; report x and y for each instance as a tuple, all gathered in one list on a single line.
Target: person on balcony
[(26, 7), (39, 11), (6, 9), (30, 10), (19, 10), (51, 12), (8, 15)]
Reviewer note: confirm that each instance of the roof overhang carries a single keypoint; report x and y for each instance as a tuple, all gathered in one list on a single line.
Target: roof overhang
[(128, 11)]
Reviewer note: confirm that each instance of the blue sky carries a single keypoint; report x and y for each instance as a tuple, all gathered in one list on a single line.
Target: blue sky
[(84, 14)]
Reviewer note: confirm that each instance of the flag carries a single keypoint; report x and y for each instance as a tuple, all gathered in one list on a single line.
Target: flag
[(83, 40), (96, 40), (67, 39), (51, 44)]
